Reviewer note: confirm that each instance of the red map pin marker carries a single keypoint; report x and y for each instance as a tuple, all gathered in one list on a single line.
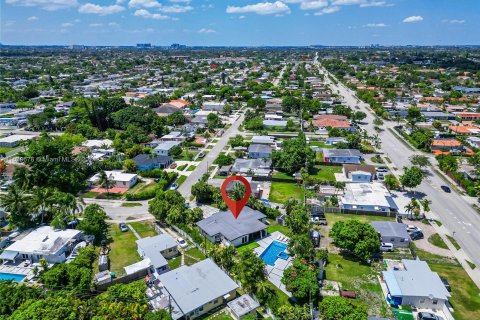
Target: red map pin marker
[(236, 206)]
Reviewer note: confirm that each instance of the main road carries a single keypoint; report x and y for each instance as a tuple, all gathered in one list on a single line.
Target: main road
[(202, 167), (456, 214)]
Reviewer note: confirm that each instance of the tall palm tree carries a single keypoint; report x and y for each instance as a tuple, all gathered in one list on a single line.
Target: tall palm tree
[(105, 181), (16, 202), (41, 201)]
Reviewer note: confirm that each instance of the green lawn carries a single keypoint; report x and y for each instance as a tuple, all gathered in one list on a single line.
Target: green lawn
[(282, 175), (280, 192), (193, 256), (123, 249), (141, 187), (436, 240), (334, 217), (131, 204), (191, 168), (144, 229), (247, 247), (360, 278), (320, 144), (454, 242), (277, 227), (5, 149), (180, 180), (180, 168), (326, 172), (175, 262)]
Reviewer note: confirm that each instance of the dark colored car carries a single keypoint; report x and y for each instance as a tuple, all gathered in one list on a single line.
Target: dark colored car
[(446, 189), (201, 155), (427, 316), (320, 277), (446, 284), (416, 235)]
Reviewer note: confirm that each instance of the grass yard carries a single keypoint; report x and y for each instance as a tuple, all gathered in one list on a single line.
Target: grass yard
[(123, 249), (5, 149), (193, 256), (220, 315), (277, 227), (326, 172), (320, 144), (141, 187), (360, 278), (180, 180), (280, 192), (144, 229), (454, 242), (282, 175), (191, 168), (175, 262), (247, 247), (436, 240), (131, 204), (334, 217), (180, 168)]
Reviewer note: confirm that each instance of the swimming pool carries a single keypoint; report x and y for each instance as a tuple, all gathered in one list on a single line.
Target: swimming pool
[(274, 251), (11, 276)]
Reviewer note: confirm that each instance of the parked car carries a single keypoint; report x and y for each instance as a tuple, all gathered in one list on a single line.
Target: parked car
[(320, 277), (201, 155), (446, 189), (380, 176), (427, 316), (411, 228), (174, 186), (315, 236), (157, 179), (446, 284), (386, 246), (123, 227), (182, 243), (382, 169), (173, 166), (318, 220), (416, 235)]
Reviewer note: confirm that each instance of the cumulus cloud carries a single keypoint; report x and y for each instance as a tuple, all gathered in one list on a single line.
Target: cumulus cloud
[(347, 2), (148, 15), (144, 4), (92, 8), (175, 9), (276, 7), (413, 19), (328, 10), (376, 4), (50, 5), (180, 1), (454, 21), (32, 18), (96, 25), (206, 30), (313, 5), (375, 25)]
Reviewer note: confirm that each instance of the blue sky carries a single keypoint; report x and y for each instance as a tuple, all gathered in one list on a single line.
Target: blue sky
[(240, 22)]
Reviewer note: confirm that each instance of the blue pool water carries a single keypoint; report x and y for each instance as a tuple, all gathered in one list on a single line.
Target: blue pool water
[(11, 276), (274, 251)]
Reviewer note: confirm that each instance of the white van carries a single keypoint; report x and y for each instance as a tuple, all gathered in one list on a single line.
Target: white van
[(386, 246)]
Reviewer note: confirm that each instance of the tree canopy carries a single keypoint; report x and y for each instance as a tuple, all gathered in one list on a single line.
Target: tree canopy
[(360, 238)]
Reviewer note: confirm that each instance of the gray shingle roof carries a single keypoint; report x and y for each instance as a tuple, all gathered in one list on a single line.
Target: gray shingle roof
[(259, 148), (390, 229), (147, 159), (225, 224), (153, 245), (342, 153)]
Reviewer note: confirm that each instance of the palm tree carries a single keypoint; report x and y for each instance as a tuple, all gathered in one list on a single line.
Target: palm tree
[(105, 181), (411, 206), (16, 202), (425, 203), (41, 201)]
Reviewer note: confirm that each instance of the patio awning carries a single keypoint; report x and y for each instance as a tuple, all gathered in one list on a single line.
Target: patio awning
[(392, 284), (8, 255)]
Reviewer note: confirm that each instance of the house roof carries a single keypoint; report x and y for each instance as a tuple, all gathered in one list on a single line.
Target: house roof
[(243, 305), (115, 175), (166, 109), (329, 116), (260, 148), (367, 194), (341, 153), (263, 139), (193, 286), (465, 129), (44, 240), (390, 229), (152, 246), (417, 280), (331, 123), (225, 224), (147, 159), (446, 143), (244, 165), (347, 168), (167, 145)]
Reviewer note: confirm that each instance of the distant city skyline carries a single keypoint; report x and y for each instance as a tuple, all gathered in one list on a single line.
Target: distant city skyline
[(240, 22)]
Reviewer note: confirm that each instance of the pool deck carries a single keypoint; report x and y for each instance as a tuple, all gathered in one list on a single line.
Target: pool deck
[(275, 273), (18, 269)]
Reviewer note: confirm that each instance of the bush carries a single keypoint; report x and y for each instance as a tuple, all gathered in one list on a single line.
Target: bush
[(167, 179), (154, 173)]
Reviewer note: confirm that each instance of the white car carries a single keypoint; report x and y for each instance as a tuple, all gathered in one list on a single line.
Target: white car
[(411, 228), (182, 243), (386, 246)]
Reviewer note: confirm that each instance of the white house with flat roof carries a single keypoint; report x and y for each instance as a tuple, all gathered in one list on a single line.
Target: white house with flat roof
[(44, 242), (121, 179), (164, 148), (195, 290), (367, 197), (14, 140)]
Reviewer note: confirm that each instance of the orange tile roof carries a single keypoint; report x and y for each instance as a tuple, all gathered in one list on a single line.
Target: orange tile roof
[(432, 99), (446, 143), (467, 114), (464, 129), (331, 123), (330, 116)]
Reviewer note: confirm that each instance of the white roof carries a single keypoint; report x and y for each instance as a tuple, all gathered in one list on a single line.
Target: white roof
[(95, 143), (116, 176), (373, 194), (44, 241), (141, 265), (16, 138)]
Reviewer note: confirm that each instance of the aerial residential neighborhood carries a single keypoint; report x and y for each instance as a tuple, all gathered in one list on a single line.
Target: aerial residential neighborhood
[(352, 159)]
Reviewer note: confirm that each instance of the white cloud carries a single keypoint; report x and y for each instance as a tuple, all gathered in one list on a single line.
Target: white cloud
[(206, 30), (148, 15), (50, 5), (413, 19), (261, 8), (32, 18), (175, 9), (313, 5), (241, 17), (347, 2), (376, 4), (375, 25), (113, 24), (100, 10), (328, 10), (454, 21), (144, 4), (67, 25), (180, 1)]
